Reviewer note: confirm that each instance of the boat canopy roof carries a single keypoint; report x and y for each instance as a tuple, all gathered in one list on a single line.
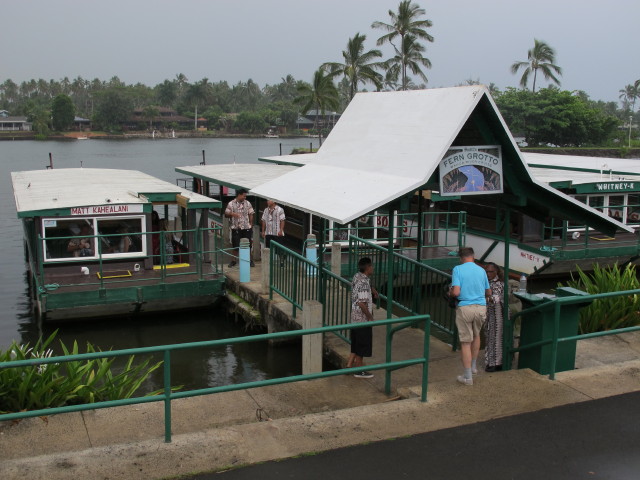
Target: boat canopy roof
[(387, 145), (237, 175), (578, 163), (57, 191)]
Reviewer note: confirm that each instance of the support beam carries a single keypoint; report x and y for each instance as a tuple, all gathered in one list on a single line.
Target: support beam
[(311, 344)]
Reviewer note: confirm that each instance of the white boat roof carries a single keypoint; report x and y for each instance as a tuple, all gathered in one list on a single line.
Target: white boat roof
[(237, 175), (40, 191), (577, 163), (580, 170), (298, 159)]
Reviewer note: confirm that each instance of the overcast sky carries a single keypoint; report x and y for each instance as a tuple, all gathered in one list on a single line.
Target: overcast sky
[(597, 42)]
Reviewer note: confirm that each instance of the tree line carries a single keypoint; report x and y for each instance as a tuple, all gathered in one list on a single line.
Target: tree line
[(546, 116)]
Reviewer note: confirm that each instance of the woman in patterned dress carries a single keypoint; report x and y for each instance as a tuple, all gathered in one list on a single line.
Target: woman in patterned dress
[(495, 317)]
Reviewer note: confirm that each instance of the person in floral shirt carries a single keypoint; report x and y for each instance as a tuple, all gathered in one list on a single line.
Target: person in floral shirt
[(240, 211)]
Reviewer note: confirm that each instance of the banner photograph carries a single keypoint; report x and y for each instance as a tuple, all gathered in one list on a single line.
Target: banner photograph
[(473, 170)]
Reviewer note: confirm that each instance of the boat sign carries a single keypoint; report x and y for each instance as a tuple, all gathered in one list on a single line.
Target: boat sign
[(106, 209)]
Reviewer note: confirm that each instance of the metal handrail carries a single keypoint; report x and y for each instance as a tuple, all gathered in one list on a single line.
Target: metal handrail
[(169, 395), (199, 254), (556, 304), (443, 319)]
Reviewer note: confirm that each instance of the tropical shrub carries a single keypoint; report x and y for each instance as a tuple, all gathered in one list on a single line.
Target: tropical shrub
[(608, 313), (67, 383)]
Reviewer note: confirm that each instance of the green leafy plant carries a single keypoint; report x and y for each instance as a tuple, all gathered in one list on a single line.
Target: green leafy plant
[(66, 383), (608, 313)]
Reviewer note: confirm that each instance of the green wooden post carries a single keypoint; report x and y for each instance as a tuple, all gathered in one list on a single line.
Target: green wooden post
[(387, 378), (507, 331), (167, 396)]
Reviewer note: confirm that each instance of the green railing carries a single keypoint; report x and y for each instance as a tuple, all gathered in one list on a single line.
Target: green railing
[(557, 235), (556, 305), (168, 395), (430, 230), (103, 260), (292, 276), (417, 288), (296, 279)]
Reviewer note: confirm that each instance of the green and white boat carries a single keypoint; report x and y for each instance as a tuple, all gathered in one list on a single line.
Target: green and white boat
[(96, 244)]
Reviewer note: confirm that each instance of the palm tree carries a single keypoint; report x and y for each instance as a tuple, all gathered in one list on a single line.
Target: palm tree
[(321, 94), (540, 57), (358, 66), (408, 56), (200, 93), (630, 93), (403, 23)]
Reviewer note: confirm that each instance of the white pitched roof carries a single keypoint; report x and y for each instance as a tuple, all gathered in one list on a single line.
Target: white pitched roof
[(237, 175), (385, 144), (39, 190)]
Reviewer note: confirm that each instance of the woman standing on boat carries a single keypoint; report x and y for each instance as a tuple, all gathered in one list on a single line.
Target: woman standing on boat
[(495, 317)]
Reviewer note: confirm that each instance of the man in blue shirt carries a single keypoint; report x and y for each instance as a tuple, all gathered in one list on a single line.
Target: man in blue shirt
[(471, 286)]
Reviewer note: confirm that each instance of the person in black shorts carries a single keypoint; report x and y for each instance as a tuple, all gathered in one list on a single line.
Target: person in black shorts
[(362, 295), (240, 211)]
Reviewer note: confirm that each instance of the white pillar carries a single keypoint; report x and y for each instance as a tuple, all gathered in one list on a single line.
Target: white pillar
[(311, 344), (255, 254), (265, 273), (226, 230), (336, 258)]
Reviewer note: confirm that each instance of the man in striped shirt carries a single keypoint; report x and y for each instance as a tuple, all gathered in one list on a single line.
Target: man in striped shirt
[(272, 223)]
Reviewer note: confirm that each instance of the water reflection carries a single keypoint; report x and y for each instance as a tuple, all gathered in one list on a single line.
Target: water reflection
[(196, 368)]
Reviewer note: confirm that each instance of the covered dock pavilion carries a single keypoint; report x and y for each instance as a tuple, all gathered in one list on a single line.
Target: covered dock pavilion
[(392, 147)]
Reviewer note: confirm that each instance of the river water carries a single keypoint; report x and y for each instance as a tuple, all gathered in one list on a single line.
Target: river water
[(193, 369)]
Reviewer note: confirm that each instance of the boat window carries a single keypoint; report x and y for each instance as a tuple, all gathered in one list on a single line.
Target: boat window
[(616, 207), (68, 238), (596, 201), (121, 235), (633, 208)]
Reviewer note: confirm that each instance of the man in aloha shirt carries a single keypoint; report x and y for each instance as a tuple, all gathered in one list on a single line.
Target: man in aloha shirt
[(240, 211), (362, 295)]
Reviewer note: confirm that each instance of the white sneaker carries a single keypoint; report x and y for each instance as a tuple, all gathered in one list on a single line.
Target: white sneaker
[(465, 381), (474, 371)]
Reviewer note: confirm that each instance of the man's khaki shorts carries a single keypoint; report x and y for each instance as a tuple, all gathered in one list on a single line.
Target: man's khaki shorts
[(469, 320)]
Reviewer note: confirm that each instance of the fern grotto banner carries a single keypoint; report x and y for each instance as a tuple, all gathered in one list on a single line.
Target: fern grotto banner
[(471, 171)]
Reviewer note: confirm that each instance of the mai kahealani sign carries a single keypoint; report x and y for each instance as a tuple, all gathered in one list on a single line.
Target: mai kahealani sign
[(473, 170)]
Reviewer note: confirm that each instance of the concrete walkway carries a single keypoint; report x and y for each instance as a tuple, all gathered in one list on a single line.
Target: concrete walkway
[(238, 428)]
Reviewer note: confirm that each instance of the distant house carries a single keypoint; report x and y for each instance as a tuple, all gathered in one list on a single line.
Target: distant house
[(328, 120), (303, 123), (165, 117), (13, 124), (81, 124)]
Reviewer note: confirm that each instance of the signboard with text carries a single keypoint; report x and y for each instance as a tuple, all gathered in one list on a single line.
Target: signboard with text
[(475, 170), (107, 209)]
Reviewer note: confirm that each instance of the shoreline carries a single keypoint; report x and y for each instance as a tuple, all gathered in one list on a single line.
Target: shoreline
[(134, 136)]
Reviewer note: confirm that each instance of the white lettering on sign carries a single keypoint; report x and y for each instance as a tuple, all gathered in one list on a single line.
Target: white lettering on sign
[(106, 209), (615, 186)]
